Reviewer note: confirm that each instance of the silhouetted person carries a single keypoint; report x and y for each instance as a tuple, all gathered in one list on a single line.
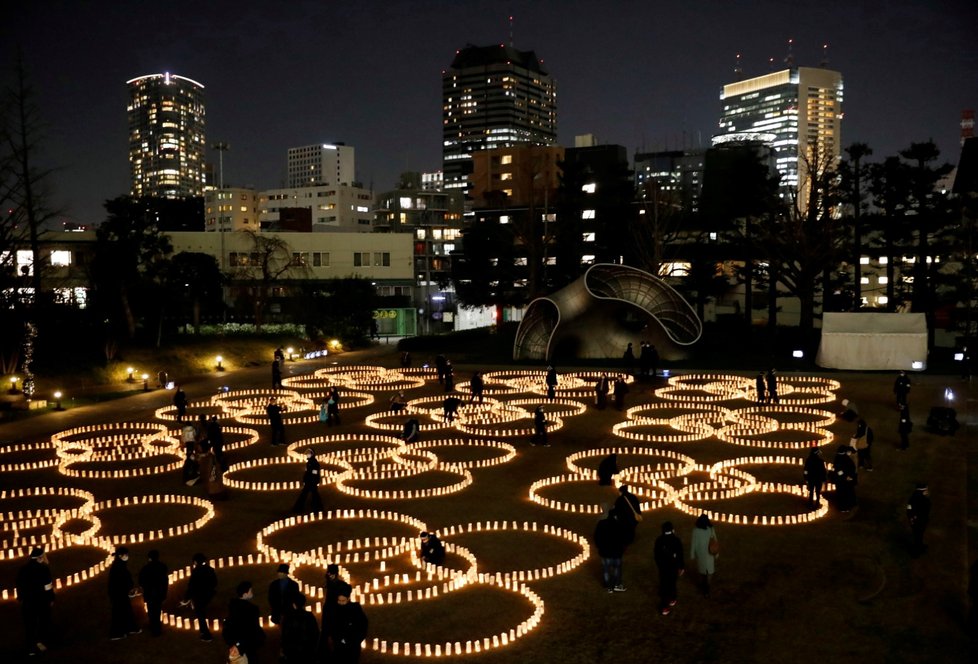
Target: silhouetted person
[(121, 592), (668, 553), (242, 626), (35, 592), (200, 591), (432, 551), (180, 401), (154, 579), (310, 485), (607, 469), (918, 513), (281, 591)]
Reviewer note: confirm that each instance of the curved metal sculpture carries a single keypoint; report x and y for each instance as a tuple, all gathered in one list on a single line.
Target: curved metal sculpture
[(598, 315)]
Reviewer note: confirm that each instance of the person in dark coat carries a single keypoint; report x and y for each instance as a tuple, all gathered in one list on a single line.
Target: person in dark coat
[(863, 438), (477, 385), (772, 387), (432, 551), (904, 428), (332, 585), (274, 411), (310, 485), (154, 579), (601, 392), (845, 476), (121, 591), (539, 428), (276, 375), (450, 407), (440, 363), (180, 401), (348, 629), (628, 359), (653, 361), (918, 513), (607, 469), (620, 390), (551, 382), (412, 430), (300, 633), (280, 593), (35, 592), (610, 543), (668, 553), (333, 407), (815, 476), (449, 376), (201, 589), (215, 433), (901, 388), (760, 385), (628, 511), (242, 627)]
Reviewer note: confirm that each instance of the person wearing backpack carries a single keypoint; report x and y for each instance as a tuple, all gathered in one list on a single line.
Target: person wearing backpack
[(704, 548)]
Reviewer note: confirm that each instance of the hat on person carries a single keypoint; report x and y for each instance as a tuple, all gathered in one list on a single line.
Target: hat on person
[(37, 552), (283, 568)]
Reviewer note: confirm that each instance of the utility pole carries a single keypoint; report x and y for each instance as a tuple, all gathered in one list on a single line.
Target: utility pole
[(221, 148)]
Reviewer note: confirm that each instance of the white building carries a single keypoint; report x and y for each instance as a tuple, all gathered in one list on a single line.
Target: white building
[(340, 207), (312, 165)]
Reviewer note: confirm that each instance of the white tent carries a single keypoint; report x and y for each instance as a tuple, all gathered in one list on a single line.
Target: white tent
[(873, 341)]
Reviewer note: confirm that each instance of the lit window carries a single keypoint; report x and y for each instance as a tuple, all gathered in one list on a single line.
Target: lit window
[(504, 219), (864, 280), (61, 258), (421, 233), (506, 159), (883, 260), (674, 269), (406, 202), (883, 281), (505, 176), (25, 262), (587, 259), (589, 188), (864, 260), (587, 214), (882, 299), (588, 237), (521, 262), (713, 236)]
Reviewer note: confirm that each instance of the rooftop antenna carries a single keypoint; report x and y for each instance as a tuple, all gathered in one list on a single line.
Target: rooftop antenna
[(789, 59), (738, 70), (511, 31), (825, 56)]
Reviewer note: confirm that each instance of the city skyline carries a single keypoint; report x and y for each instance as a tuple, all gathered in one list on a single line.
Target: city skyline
[(368, 74)]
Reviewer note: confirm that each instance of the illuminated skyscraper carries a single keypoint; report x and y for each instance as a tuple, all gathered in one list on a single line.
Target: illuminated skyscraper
[(798, 111), (494, 97), (166, 136)]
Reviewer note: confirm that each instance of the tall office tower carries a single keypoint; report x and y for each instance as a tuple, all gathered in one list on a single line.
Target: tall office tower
[(312, 165), (494, 97), (166, 136), (798, 111)]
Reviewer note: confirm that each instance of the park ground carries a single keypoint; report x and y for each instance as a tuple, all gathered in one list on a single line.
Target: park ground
[(843, 588)]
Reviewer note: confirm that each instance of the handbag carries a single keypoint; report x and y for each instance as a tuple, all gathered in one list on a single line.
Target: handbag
[(713, 546)]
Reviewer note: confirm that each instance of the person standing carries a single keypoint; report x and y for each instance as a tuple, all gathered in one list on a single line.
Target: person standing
[(653, 360), (215, 433), (300, 633), (846, 478), (281, 591), (449, 377), (539, 428), (121, 591), (815, 476), (901, 388), (629, 512), (620, 390), (644, 359), (432, 551), (610, 543), (628, 359), (601, 392), (210, 470), (904, 428), (191, 466), (310, 485), (274, 412), (918, 513), (607, 469), (704, 548), (180, 402), (242, 628), (333, 407), (477, 385), (862, 441), (551, 381), (35, 592), (331, 588), (348, 629), (668, 553), (201, 589), (440, 362), (772, 387), (760, 387), (154, 579), (276, 375)]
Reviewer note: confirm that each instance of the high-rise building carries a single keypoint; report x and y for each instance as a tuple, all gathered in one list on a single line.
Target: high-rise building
[(798, 111), (676, 175), (166, 136), (494, 97), (312, 165)]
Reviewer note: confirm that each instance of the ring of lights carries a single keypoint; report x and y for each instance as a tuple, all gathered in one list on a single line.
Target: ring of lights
[(292, 485)]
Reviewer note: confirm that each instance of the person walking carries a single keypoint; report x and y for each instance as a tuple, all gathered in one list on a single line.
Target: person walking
[(601, 392), (477, 386), (760, 386), (121, 591), (300, 633), (551, 382), (191, 466), (310, 485), (539, 428), (901, 388), (333, 407), (281, 591), (815, 475), (609, 540), (180, 402), (904, 427), (620, 390), (918, 514), (653, 360), (668, 554), (35, 592), (274, 411), (629, 512), (348, 628), (201, 589), (154, 579), (276, 375), (772, 386), (704, 548), (607, 469), (242, 627), (846, 477)]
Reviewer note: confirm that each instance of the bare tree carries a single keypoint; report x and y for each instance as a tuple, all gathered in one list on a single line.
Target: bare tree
[(271, 258)]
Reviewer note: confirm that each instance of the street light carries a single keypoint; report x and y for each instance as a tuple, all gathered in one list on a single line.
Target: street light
[(145, 382), (221, 148), (13, 385), (131, 378), (220, 365), (57, 399), (290, 351)]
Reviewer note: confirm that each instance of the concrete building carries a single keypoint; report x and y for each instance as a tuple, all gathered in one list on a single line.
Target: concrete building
[(166, 136), (676, 173), (801, 107), (231, 209), (493, 97), (333, 208), (320, 164)]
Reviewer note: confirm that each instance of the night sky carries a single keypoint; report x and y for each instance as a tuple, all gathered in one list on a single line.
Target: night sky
[(646, 75)]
